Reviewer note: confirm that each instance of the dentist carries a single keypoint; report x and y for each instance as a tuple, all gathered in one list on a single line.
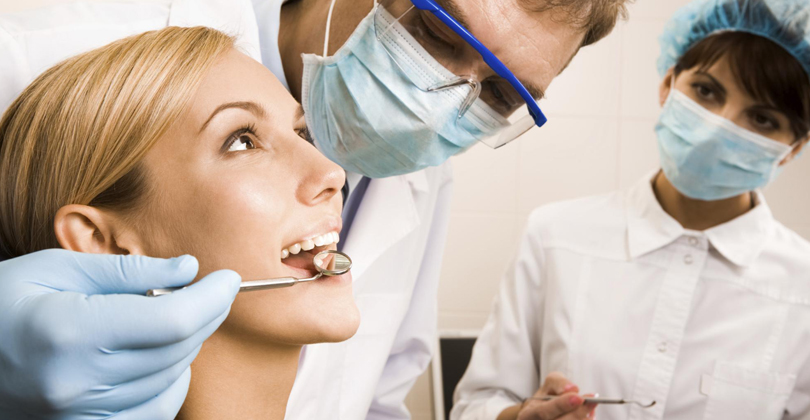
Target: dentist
[(391, 91)]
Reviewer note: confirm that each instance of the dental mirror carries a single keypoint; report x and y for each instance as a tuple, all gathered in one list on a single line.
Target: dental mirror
[(328, 263)]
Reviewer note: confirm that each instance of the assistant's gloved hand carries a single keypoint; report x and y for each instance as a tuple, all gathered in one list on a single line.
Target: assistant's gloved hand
[(79, 340)]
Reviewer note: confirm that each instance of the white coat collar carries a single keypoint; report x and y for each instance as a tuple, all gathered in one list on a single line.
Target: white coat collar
[(233, 17), (649, 227), (387, 214)]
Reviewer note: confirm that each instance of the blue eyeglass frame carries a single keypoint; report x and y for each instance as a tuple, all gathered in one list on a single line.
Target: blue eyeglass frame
[(492, 61)]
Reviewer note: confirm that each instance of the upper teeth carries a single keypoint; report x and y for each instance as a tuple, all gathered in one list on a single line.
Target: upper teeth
[(308, 244)]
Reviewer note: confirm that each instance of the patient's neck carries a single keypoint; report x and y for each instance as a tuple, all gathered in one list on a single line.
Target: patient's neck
[(234, 378), (696, 214)]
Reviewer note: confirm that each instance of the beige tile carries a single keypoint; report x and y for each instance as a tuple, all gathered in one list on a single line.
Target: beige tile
[(639, 77), (479, 248), (486, 180), (568, 158), (590, 85), (638, 150), (788, 199), (657, 9), (420, 400), (467, 320)]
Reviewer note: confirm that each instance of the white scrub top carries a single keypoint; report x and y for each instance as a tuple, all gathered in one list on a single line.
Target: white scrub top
[(612, 292), (396, 241)]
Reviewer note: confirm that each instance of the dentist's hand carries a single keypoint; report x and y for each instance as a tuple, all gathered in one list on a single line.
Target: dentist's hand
[(568, 404), (79, 340)]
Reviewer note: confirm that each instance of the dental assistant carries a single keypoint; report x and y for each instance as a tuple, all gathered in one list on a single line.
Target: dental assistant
[(684, 290), (390, 93)]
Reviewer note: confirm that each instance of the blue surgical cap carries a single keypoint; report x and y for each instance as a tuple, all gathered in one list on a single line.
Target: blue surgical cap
[(785, 22)]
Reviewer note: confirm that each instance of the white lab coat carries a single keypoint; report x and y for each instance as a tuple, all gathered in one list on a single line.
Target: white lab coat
[(612, 292), (396, 240)]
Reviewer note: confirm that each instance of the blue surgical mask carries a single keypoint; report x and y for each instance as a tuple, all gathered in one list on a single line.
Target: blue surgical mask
[(366, 115), (707, 157)]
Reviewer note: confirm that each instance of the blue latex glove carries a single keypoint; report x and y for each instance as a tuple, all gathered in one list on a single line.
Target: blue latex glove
[(79, 340)]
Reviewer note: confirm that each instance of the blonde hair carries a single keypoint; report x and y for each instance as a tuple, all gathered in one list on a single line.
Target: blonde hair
[(77, 134)]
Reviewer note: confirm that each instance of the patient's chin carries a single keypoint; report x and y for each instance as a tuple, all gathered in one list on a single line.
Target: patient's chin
[(339, 328)]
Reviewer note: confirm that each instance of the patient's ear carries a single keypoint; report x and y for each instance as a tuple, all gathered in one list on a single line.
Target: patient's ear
[(95, 231)]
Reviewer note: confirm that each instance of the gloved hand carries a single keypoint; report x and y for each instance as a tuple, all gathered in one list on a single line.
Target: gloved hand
[(79, 340)]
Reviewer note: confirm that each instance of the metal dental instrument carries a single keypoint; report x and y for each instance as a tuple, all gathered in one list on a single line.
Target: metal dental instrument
[(328, 263), (598, 400)]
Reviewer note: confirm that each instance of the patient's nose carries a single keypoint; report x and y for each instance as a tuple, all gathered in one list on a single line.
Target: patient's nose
[(322, 178)]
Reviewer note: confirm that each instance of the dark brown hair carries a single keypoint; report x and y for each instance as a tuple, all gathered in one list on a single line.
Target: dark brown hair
[(765, 70), (597, 17)]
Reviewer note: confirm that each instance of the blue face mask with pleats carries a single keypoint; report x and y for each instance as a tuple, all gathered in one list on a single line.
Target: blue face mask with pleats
[(366, 115), (707, 157)]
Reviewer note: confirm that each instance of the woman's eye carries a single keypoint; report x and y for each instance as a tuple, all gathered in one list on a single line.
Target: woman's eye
[(704, 92), (241, 142), (764, 122)]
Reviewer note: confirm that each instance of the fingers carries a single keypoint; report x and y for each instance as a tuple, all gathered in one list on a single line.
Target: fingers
[(135, 274), (162, 407), (553, 409), (137, 322), (129, 365), (557, 384), (141, 390), (92, 274)]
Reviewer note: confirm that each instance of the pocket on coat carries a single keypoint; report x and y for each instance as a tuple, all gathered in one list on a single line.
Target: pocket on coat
[(735, 392)]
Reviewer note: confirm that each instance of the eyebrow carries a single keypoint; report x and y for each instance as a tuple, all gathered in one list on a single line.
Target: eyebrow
[(299, 112), (452, 8), (249, 106)]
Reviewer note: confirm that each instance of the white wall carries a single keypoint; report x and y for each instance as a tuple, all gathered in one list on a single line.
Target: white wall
[(599, 138)]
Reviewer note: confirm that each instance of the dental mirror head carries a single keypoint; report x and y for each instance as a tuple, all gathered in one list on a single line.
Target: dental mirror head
[(327, 263), (332, 263)]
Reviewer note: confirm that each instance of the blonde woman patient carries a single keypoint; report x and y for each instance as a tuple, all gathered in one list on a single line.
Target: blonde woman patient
[(170, 143)]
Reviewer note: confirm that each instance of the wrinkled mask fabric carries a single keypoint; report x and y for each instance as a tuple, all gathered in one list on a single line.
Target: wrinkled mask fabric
[(366, 115), (707, 157)]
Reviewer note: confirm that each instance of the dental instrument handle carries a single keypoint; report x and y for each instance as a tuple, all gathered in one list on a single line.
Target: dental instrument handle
[(599, 400), (246, 286), (249, 286)]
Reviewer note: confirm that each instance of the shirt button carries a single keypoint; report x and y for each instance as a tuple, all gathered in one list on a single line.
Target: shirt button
[(662, 347), (693, 241), (687, 259)]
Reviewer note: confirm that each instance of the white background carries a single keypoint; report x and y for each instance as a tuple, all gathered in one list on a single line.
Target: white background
[(599, 138)]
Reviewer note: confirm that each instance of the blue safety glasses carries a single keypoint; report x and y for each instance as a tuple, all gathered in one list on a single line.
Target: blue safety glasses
[(432, 35)]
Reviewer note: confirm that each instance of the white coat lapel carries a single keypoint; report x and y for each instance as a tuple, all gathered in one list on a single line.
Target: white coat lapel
[(233, 17), (387, 214)]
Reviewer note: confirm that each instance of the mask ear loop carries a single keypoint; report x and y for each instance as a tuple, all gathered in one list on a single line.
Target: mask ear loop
[(328, 27)]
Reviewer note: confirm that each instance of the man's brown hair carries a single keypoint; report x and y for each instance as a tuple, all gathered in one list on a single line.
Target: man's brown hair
[(597, 17)]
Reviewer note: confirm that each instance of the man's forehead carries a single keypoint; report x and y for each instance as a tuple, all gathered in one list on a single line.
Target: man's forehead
[(534, 45)]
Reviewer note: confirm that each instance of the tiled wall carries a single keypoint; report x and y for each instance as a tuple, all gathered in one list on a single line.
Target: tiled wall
[(599, 138)]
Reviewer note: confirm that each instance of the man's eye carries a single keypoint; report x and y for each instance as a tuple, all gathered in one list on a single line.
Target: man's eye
[(306, 135)]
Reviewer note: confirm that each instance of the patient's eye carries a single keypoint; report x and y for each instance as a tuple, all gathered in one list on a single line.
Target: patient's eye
[(242, 139)]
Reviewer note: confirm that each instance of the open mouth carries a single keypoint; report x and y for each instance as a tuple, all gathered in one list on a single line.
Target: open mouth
[(300, 255)]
